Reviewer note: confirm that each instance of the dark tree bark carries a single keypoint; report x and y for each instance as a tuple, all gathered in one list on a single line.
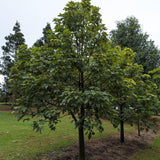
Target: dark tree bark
[(81, 116), (121, 124), (138, 125)]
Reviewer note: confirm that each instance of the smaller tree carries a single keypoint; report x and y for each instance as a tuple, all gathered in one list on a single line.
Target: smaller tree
[(120, 83), (144, 103), (134, 95)]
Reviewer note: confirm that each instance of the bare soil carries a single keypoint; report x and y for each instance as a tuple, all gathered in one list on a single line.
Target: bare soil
[(106, 149)]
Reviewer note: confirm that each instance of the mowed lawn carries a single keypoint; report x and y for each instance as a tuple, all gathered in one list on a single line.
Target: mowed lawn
[(18, 140)]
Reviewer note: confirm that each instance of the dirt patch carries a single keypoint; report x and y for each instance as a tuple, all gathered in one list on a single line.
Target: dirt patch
[(106, 149)]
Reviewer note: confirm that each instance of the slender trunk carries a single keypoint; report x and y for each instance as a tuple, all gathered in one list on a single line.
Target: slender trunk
[(121, 125), (81, 117), (138, 125), (81, 139)]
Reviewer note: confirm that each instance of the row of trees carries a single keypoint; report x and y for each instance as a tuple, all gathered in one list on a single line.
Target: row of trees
[(76, 69)]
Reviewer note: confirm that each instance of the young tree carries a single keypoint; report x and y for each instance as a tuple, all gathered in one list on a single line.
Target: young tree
[(144, 102), (123, 84), (129, 34), (67, 77), (134, 94), (120, 85), (10, 49)]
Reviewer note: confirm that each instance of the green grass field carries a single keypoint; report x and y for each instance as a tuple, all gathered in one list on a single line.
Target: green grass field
[(18, 140)]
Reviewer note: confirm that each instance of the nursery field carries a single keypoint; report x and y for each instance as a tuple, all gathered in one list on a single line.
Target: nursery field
[(19, 141)]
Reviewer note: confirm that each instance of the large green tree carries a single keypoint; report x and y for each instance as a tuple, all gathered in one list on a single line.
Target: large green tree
[(67, 77), (129, 34), (10, 49)]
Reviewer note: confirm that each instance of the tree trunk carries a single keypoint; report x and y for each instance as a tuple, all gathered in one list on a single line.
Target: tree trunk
[(121, 125), (81, 118), (138, 125), (81, 144)]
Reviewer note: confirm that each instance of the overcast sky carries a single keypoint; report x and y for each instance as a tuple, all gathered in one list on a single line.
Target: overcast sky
[(33, 15)]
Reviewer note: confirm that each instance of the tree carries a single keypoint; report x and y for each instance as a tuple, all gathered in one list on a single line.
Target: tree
[(144, 102), (134, 94), (120, 85), (10, 49), (129, 34), (67, 77), (45, 39)]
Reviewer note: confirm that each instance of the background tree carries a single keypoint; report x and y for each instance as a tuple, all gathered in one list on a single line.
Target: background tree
[(10, 49), (45, 38), (129, 34)]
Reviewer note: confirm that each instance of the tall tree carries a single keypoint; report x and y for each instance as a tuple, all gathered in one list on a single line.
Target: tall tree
[(66, 78), (129, 34), (10, 49)]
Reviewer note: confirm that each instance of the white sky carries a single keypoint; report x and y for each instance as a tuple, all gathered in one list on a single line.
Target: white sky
[(33, 15)]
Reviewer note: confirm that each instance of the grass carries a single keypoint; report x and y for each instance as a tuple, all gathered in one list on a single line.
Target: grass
[(18, 140)]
